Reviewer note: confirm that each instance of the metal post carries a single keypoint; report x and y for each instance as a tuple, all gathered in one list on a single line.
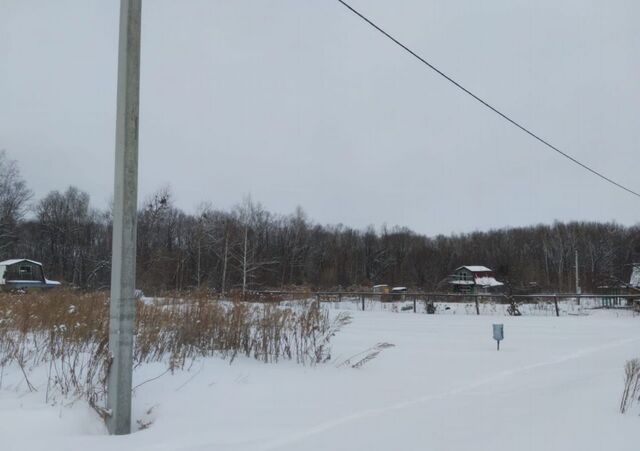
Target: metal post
[(578, 290), (555, 301), (363, 302), (477, 305), (414, 304), (123, 266)]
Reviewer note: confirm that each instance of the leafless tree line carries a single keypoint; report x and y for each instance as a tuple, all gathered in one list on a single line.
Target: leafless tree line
[(248, 248)]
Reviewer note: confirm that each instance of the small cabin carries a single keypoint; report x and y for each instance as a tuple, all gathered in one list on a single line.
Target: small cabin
[(20, 274), (473, 279), (383, 289)]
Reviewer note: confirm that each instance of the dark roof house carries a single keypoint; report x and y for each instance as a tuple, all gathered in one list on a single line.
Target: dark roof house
[(473, 279), (21, 273)]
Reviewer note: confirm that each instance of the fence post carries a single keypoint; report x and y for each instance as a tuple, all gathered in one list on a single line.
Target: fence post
[(318, 299), (555, 301), (414, 304), (363, 302), (477, 305)]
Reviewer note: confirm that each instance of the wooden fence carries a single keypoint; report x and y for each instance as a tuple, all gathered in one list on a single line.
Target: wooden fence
[(604, 300)]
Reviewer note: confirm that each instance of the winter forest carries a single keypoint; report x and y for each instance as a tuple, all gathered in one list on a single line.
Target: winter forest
[(253, 248)]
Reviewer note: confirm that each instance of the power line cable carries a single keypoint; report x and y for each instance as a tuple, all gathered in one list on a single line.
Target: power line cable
[(487, 104)]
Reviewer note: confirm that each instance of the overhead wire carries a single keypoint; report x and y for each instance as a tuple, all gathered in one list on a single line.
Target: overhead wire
[(486, 103)]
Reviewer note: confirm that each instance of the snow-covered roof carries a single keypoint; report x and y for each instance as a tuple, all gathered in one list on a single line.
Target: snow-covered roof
[(380, 286), (18, 260), (47, 282), (476, 268), (399, 289), (488, 282), (635, 276)]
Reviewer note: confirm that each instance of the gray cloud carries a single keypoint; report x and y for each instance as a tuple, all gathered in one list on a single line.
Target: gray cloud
[(300, 103)]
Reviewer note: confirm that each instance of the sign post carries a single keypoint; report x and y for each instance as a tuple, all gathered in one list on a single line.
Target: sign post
[(498, 333), (123, 266)]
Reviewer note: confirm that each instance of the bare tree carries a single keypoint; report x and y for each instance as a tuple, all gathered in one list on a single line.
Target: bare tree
[(14, 195), (249, 247), (254, 221), (217, 229), (68, 226)]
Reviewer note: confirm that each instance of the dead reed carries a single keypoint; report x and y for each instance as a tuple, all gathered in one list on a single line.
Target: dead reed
[(631, 391), (67, 332)]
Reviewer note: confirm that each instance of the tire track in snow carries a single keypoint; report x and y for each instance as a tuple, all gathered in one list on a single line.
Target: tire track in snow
[(367, 413)]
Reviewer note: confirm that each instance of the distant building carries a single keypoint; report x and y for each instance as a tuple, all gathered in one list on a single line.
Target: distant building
[(398, 293), (610, 287), (634, 282), (473, 279), (23, 274), (381, 289)]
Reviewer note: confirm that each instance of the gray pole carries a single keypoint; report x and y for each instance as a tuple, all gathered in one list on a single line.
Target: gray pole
[(123, 266), (578, 290)]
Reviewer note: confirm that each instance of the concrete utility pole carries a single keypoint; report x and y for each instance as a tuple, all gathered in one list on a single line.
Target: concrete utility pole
[(578, 290), (123, 266)]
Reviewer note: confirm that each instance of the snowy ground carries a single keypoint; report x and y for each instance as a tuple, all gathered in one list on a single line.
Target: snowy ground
[(554, 385)]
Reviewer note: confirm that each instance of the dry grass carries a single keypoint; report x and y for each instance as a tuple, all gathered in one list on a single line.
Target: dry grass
[(67, 332), (631, 391)]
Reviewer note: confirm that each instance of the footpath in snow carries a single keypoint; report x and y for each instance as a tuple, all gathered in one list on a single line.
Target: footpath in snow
[(554, 385)]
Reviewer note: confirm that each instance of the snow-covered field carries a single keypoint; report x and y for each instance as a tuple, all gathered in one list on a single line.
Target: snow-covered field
[(554, 385)]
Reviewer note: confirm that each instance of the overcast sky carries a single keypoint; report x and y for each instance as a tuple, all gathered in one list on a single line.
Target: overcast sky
[(298, 102)]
